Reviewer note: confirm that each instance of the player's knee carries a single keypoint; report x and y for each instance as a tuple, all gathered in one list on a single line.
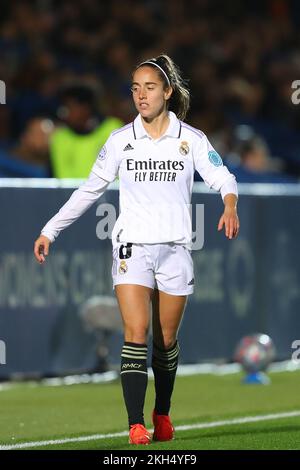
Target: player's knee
[(136, 335), (167, 341)]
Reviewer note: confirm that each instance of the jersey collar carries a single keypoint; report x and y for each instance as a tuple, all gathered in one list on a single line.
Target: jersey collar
[(174, 129)]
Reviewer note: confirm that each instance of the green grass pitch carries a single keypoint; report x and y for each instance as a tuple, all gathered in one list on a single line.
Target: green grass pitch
[(43, 413)]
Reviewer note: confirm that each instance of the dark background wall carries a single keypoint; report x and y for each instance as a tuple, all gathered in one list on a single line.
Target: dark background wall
[(242, 286)]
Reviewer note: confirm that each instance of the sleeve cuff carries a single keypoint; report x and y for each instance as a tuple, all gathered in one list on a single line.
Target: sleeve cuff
[(49, 235), (229, 187)]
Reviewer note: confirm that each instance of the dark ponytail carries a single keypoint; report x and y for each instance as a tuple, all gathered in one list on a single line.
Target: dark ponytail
[(180, 98)]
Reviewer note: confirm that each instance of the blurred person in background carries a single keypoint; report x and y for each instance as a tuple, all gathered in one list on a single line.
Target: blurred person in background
[(241, 70), (251, 161), (155, 157), (30, 157), (84, 131), (255, 157)]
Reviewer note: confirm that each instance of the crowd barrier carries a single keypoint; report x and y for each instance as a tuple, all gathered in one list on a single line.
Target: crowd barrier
[(49, 313)]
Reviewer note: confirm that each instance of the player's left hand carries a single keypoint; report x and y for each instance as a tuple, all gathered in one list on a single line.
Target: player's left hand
[(231, 221)]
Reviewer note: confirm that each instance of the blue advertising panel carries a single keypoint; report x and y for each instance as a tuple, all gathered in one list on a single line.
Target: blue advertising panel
[(242, 286)]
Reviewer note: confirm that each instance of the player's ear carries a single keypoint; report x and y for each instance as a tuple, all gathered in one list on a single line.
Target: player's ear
[(168, 93)]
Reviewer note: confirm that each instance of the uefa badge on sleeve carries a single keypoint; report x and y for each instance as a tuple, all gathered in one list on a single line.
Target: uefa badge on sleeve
[(123, 268), (215, 158), (102, 153), (184, 148)]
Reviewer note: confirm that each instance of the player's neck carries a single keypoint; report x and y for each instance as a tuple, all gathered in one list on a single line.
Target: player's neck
[(157, 126)]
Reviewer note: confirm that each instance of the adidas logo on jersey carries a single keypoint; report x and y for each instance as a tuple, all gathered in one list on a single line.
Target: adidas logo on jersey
[(128, 147)]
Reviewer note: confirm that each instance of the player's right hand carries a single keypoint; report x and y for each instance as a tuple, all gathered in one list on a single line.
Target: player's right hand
[(41, 248)]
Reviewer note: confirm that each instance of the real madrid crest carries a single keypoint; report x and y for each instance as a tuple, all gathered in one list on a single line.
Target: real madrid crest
[(184, 148), (123, 268)]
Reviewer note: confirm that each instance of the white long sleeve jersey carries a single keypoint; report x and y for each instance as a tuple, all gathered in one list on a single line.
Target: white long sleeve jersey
[(155, 182)]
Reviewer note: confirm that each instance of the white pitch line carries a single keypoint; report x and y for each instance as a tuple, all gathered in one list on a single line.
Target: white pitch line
[(187, 427)]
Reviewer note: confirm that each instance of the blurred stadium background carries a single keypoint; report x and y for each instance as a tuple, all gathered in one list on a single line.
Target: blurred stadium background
[(66, 67)]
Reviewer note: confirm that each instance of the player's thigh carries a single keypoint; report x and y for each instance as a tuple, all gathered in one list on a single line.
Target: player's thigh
[(134, 303), (167, 313)]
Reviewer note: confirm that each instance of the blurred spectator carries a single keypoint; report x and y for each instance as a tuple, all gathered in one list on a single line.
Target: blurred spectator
[(254, 156), (251, 160), (75, 145), (30, 157), (242, 59)]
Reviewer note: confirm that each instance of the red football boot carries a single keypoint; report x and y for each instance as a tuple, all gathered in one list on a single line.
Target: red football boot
[(163, 428), (138, 434)]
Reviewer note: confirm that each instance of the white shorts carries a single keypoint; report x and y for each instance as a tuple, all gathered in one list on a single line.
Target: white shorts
[(167, 267)]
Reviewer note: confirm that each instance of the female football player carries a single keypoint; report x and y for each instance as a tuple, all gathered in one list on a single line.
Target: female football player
[(154, 157)]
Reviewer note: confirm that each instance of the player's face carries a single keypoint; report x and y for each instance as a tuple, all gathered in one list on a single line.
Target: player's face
[(149, 93)]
